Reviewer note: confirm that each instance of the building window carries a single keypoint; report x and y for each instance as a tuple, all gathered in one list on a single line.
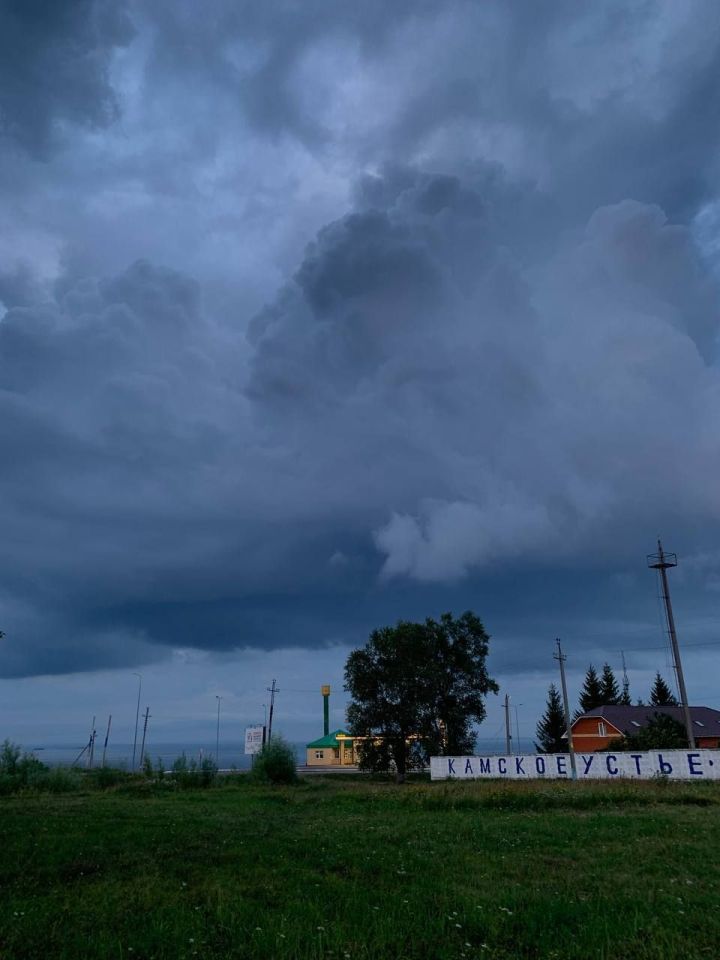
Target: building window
[(635, 723), (602, 729), (319, 754), (699, 723)]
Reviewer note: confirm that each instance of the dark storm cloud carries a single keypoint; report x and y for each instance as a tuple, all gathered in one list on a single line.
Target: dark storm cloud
[(598, 102), (54, 60), (258, 52), (488, 345)]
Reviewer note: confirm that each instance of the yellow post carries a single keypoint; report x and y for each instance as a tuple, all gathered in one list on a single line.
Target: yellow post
[(325, 690)]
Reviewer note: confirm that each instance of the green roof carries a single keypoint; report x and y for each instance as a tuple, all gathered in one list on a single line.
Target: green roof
[(329, 741)]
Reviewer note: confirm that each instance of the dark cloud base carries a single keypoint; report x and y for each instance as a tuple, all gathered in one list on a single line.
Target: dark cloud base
[(487, 381)]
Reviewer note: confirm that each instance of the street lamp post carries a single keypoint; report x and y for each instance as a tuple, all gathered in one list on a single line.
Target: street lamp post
[(217, 732), (137, 716)]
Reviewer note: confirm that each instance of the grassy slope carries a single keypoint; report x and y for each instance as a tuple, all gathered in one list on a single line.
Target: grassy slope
[(338, 868)]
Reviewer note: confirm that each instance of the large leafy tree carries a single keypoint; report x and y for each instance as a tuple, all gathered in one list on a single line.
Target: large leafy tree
[(551, 727), (417, 689), (591, 695), (661, 695), (609, 689)]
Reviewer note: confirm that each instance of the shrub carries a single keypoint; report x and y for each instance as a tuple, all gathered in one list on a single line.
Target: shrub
[(105, 777), (190, 773), (275, 763), (17, 769), (9, 757), (61, 780)]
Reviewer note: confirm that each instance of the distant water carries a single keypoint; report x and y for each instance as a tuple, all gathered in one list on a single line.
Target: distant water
[(232, 753)]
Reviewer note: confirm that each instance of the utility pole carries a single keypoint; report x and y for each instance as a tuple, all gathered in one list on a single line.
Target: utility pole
[(91, 745), (272, 691), (661, 561), (142, 748), (107, 735), (217, 732), (561, 658), (137, 716), (508, 733)]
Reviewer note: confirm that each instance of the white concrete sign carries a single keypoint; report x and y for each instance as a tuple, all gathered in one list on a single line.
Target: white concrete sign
[(253, 739), (673, 764)]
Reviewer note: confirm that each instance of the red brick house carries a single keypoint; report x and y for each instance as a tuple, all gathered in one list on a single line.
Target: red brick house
[(596, 729)]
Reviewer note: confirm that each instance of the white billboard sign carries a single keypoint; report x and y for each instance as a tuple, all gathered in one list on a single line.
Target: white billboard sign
[(674, 764), (253, 739)]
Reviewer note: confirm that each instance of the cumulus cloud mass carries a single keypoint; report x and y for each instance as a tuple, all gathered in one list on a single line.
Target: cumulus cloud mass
[(313, 316)]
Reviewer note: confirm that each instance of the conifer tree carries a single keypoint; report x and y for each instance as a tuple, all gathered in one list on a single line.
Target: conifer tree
[(661, 695), (591, 694), (551, 727), (609, 689)]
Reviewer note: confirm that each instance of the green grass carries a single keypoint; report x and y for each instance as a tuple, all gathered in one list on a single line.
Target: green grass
[(347, 868)]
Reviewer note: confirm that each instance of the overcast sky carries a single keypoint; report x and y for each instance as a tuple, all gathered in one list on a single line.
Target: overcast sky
[(316, 315)]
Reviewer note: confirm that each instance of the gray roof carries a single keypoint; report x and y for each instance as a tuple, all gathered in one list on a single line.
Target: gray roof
[(706, 721)]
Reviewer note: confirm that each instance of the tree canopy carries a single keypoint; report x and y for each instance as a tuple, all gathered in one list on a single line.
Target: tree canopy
[(661, 695), (609, 689), (591, 693), (416, 690), (551, 726)]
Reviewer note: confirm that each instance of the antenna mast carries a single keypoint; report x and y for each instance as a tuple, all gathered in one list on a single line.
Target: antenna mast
[(626, 682)]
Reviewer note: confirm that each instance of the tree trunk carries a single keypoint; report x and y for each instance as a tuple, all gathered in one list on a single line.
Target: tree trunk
[(400, 752)]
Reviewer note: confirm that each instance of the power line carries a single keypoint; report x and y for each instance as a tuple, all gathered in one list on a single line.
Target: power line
[(700, 643)]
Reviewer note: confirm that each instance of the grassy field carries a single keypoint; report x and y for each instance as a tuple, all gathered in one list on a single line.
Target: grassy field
[(347, 868)]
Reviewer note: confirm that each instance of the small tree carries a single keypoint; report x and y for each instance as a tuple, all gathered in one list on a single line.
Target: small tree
[(551, 727), (416, 689), (662, 732), (661, 695), (609, 689), (591, 693)]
